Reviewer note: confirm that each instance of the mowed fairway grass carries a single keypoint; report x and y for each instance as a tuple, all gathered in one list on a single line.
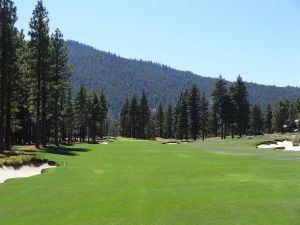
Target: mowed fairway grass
[(146, 183)]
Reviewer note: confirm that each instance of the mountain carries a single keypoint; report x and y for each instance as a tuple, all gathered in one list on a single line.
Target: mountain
[(121, 78)]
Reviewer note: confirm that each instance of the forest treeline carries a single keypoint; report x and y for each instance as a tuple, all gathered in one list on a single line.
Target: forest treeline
[(37, 103), (121, 78), (229, 113)]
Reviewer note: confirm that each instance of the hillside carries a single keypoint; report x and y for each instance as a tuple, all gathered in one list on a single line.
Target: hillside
[(120, 78)]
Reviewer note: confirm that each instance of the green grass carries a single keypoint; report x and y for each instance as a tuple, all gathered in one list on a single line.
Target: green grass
[(142, 182)]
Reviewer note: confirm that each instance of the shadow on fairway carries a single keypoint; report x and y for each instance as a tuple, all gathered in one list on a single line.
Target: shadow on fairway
[(61, 150)]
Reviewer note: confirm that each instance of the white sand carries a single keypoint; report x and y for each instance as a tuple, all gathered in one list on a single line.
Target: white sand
[(104, 143), (171, 143), (24, 171), (286, 145)]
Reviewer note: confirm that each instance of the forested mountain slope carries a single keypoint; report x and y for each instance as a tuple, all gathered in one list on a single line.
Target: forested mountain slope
[(121, 78)]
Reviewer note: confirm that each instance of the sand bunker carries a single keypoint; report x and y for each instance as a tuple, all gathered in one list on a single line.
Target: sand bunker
[(24, 171), (170, 143), (284, 145)]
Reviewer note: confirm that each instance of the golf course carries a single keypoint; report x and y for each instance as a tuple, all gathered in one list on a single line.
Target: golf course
[(145, 182)]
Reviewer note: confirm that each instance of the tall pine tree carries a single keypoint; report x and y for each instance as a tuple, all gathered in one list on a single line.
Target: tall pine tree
[(194, 111), (8, 69), (239, 94), (219, 96), (268, 119), (144, 114), (169, 122), (256, 120), (39, 48), (204, 116), (160, 118), (59, 78)]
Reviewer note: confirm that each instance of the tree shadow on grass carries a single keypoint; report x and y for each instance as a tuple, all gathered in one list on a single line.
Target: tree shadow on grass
[(61, 150)]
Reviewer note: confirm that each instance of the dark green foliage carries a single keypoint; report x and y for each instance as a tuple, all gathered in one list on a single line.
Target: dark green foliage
[(169, 122), (220, 99), (256, 120), (124, 119), (239, 94), (68, 117), (151, 128), (160, 121), (204, 116), (60, 76), (103, 113), (194, 111), (229, 115), (297, 104), (23, 123), (213, 121), (95, 109), (181, 117), (268, 119), (134, 117), (8, 69), (280, 116), (144, 115), (35, 89), (81, 112), (121, 78), (39, 47), (292, 117)]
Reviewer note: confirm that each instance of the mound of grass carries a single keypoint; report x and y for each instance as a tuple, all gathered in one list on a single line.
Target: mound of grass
[(20, 160)]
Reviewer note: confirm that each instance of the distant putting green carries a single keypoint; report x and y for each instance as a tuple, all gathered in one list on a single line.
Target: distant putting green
[(146, 183)]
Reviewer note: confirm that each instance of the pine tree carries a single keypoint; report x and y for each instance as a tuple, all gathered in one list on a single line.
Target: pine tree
[(133, 117), (8, 69), (95, 109), (39, 47), (60, 77), (159, 120), (219, 96), (256, 120), (151, 127), (181, 117), (268, 119), (280, 116), (169, 122), (103, 113), (242, 108), (297, 104), (229, 115), (124, 119), (144, 114), (292, 117), (204, 116), (23, 99), (69, 115), (194, 110), (81, 112)]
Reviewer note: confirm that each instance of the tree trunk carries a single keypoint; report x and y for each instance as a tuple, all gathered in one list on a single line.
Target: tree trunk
[(7, 142), (44, 125), (37, 124)]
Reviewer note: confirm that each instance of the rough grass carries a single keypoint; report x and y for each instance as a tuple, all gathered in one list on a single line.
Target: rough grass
[(21, 160), (147, 183)]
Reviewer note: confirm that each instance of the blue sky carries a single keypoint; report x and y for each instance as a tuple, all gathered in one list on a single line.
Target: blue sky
[(258, 39)]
